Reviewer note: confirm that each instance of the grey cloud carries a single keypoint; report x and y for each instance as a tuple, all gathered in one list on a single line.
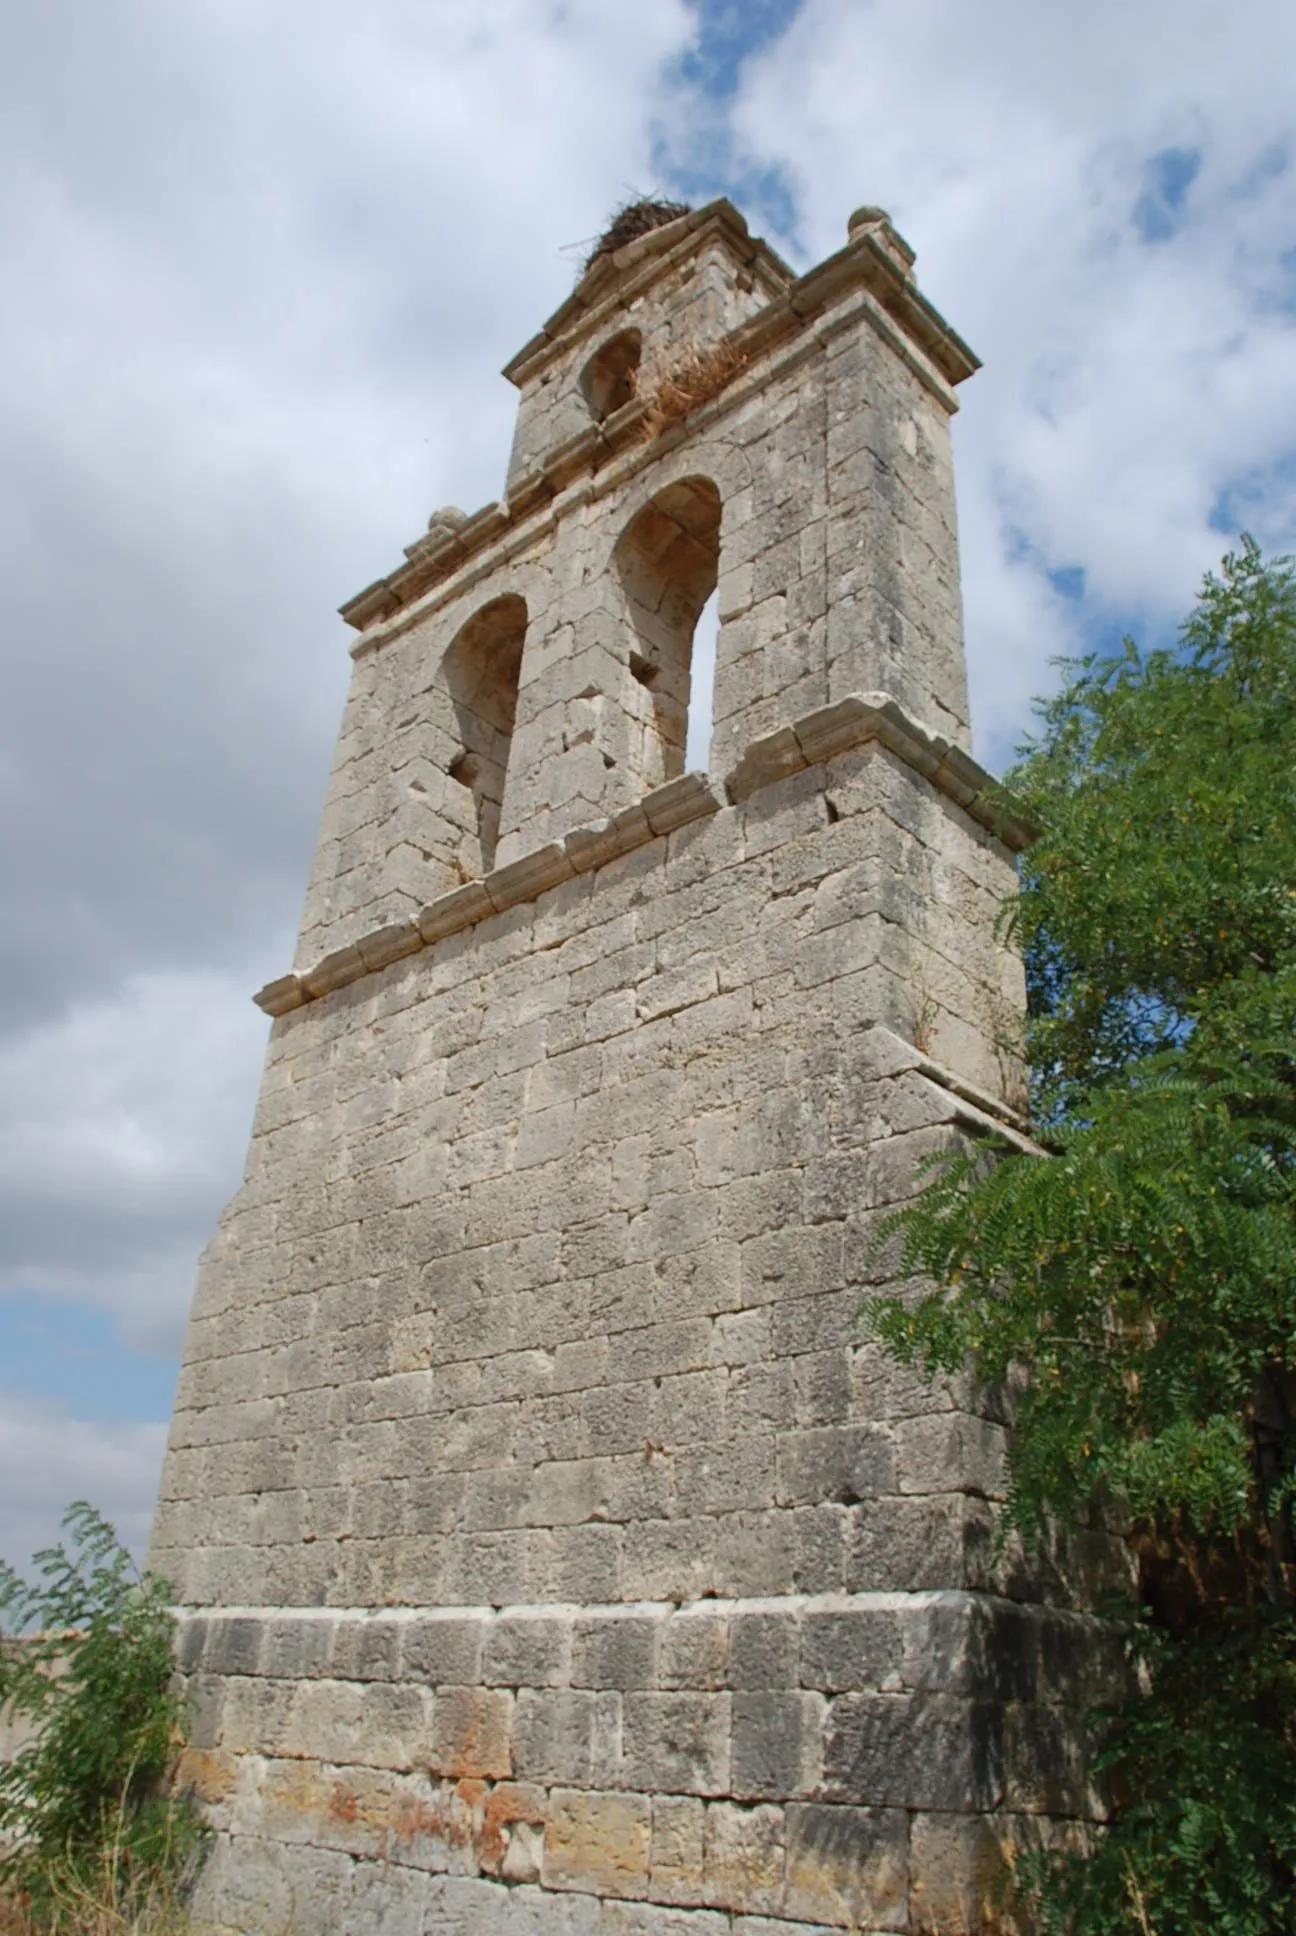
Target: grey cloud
[(239, 377), (159, 782), (48, 1459), (262, 265)]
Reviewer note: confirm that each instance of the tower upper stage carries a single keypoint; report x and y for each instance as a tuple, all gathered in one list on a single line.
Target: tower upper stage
[(693, 420)]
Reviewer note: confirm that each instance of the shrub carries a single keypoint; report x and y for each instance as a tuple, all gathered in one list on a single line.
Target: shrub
[(91, 1837), (1142, 1282)]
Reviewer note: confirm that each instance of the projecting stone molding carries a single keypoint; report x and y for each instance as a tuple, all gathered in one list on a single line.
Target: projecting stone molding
[(811, 741)]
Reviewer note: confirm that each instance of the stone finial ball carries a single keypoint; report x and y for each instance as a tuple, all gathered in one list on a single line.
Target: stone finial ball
[(448, 518), (866, 218)]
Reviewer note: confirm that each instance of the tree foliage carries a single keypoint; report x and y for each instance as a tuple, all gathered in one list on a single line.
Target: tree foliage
[(86, 1669), (1142, 1281)]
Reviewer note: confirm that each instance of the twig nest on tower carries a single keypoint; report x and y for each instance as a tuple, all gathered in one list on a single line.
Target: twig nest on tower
[(632, 220)]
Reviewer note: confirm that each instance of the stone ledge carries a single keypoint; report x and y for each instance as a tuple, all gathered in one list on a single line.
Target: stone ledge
[(854, 721), (813, 740), (891, 1055), (691, 797), (929, 1640)]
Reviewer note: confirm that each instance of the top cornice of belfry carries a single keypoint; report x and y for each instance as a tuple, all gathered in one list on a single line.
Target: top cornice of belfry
[(875, 255), (614, 278), (871, 277)]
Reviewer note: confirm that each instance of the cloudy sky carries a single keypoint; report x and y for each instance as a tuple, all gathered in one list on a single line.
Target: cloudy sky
[(263, 260)]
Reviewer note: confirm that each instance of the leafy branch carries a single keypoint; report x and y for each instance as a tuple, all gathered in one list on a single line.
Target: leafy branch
[(1139, 1284), (86, 1671)]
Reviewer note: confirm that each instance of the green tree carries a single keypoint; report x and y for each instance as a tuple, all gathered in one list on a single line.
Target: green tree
[(1143, 1278), (87, 1822)]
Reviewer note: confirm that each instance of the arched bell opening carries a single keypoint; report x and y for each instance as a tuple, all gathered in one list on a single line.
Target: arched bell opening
[(609, 379), (482, 668), (667, 563)]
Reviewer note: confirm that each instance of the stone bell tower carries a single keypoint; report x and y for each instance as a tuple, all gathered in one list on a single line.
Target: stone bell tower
[(554, 1551)]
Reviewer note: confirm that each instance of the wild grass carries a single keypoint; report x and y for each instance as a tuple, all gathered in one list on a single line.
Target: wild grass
[(112, 1897)]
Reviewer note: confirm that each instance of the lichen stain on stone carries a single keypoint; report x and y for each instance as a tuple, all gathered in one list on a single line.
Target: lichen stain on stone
[(208, 1775), (509, 1803), (344, 1804)]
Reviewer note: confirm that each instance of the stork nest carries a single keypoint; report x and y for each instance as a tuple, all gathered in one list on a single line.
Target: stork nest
[(632, 220)]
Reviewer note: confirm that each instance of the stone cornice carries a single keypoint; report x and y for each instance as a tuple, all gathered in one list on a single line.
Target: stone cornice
[(713, 1607), (816, 738), (823, 734)]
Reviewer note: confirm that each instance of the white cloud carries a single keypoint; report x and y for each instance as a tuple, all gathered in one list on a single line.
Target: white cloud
[(48, 1459), (122, 1129), (1127, 382)]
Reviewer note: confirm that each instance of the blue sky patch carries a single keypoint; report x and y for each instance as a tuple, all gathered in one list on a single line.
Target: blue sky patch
[(704, 164), (1272, 161), (1068, 581), (53, 1347), (710, 169), (1224, 512), (1280, 296), (1168, 176), (1243, 502), (728, 33)]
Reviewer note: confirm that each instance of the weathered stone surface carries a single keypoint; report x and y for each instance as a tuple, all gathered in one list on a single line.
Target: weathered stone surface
[(800, 1802), (848, 1867), (597, 1842), (556, 1556), (281, 996)]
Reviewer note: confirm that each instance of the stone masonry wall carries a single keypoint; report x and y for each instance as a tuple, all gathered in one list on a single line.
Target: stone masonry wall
[(821, 1761), (539, 1308), (545, 1274), (715, 292)]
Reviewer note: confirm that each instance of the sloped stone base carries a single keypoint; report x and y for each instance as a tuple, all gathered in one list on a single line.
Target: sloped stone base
[(840, 1761)]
